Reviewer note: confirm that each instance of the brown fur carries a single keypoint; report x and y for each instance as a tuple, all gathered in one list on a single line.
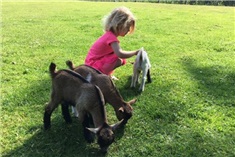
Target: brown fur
[(69, 86), (112, 96)]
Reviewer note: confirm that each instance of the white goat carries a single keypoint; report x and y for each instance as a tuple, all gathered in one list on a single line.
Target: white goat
[(142, 63)]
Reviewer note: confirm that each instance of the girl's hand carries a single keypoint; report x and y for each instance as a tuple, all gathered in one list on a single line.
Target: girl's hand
[(141, 49), (121, 53), (136, 53)]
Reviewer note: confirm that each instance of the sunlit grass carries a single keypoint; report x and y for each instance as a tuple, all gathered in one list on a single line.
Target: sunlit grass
[(188, 109)]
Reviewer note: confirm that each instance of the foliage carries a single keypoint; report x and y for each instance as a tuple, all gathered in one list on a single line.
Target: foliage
[(190, 2), (188, 109)]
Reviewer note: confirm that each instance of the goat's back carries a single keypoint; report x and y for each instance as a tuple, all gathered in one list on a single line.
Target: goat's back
[(94, 76), (103, 81), (70, 88), (142, 59)]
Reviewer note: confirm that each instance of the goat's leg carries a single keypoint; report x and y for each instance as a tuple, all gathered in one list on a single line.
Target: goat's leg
[(132, 80), (135, 77), (47, 120), (65, 112), (89, 136), (47, 114), (149, 76), (143, 79)]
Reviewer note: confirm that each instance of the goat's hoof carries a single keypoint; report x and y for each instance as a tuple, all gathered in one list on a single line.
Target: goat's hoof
[(90, 139), (46, 127), (69, 122), (104, 151), (149, 81)]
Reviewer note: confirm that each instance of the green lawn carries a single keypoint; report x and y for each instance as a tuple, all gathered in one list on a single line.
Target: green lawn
[(188, 109)]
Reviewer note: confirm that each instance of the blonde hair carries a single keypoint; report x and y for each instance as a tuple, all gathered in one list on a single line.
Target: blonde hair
[(119, 19)]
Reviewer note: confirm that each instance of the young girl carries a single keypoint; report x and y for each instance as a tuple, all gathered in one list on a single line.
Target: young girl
[(105, 54)]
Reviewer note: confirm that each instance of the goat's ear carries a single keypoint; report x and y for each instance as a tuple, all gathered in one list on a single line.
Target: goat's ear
[(132, 101), (115, 126), (94, 130), (121, 109)]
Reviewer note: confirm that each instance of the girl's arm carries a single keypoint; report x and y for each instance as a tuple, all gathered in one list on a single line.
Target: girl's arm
[(120, 53)]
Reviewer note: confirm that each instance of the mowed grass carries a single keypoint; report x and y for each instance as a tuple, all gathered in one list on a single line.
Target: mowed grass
[(188, 109)]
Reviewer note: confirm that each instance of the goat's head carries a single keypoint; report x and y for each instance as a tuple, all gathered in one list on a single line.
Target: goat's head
[(105, 135), (125, 112)]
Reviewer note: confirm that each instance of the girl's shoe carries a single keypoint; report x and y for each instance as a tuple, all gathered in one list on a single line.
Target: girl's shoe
[(114, 78)]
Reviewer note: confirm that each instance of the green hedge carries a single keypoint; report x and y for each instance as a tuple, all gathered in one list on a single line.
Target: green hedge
[(189, 2)]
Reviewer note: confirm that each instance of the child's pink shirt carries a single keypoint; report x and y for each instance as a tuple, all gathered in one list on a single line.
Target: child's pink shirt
[(101, 52)]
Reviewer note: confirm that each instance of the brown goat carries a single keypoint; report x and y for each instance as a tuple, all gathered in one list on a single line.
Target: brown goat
[(112, 96), (70, 87)]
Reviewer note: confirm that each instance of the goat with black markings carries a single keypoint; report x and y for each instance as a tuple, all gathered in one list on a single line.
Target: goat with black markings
[(112, 96), (142, 63), (70, 87)]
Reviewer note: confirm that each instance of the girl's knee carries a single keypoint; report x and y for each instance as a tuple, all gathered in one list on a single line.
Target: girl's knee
[(120, 62), (123, 61), (108, 68)]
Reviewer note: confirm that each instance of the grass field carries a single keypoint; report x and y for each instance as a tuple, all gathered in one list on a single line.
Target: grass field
[(188, 109)]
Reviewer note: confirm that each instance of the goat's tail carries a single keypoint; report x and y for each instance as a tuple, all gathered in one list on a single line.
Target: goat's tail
[(70, 64), (139, 58), (52, 69)]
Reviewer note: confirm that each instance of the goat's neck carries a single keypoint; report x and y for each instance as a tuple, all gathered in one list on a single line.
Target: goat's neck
[(115, 100)]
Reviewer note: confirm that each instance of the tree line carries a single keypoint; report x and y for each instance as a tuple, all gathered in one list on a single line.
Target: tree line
[(188, 2)]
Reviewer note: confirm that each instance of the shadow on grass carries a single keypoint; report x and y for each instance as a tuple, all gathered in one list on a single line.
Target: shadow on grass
[(158, 114), (60, 140), (216, 82), (125, 90)]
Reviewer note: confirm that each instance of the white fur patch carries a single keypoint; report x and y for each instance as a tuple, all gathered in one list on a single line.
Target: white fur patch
[(74, 111), (89, 77)]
